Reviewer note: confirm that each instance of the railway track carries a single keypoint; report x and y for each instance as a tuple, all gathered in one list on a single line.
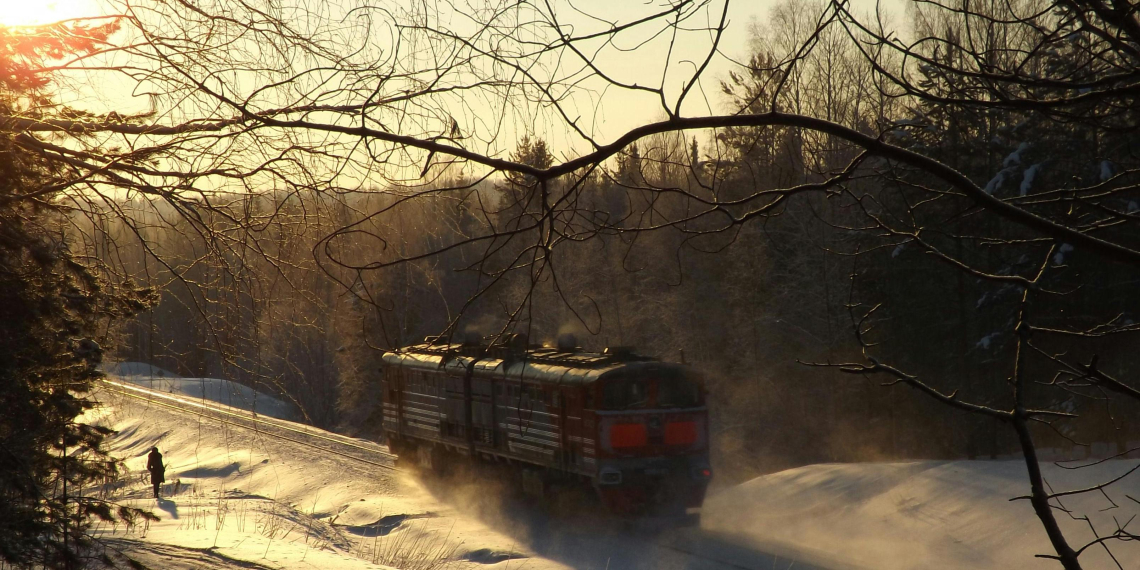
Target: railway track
[(279, 429), (339, 445)]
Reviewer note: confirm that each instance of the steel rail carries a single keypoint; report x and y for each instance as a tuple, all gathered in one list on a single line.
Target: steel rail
[(267, 420), (260, 429)]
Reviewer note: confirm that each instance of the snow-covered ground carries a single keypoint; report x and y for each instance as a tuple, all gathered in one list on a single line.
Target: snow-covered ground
[(237, 498), (930, 514), (213, 389)]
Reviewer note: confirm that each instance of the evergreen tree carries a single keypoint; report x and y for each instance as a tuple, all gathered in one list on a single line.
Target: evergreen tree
[(52, 308)]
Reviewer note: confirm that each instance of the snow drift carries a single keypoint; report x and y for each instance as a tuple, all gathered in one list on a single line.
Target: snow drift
[(924, 515), (212, 389)]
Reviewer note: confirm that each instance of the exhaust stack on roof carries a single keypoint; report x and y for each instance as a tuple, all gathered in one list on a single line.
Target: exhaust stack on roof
[(567, 343)]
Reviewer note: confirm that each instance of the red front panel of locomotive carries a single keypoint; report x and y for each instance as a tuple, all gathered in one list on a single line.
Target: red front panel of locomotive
[(652, 434)]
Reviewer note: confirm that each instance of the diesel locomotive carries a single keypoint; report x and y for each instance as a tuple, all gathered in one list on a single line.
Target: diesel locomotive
[(632, 427)]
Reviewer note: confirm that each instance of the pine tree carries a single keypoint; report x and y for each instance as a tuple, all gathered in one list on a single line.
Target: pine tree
[(51, 307)]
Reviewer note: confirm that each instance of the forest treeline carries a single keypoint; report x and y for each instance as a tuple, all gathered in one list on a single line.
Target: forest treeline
[(677, 248)]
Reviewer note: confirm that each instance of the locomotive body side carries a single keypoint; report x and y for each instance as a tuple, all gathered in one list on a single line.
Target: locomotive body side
[(636, 431)]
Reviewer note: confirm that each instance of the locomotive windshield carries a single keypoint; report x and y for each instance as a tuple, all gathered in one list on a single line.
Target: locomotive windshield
[(677, 392), (625, 394), (672, 391)]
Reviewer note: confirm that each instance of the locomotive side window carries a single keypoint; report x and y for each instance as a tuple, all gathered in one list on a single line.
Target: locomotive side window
[(624, 394), (389, 379), (677, 392)]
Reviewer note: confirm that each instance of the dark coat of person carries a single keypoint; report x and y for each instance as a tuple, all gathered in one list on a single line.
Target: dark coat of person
[(156, 468)]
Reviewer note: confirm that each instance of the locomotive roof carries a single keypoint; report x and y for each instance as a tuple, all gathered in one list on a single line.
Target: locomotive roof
[(536, 364)]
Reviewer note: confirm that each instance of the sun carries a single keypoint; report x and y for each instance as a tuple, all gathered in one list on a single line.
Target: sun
[(37, 12)]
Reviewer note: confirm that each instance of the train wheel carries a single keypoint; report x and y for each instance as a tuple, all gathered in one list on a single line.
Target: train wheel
[(396, 447), (430, 458)]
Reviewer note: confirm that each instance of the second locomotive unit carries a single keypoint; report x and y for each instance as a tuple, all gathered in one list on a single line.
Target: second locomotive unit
[(634, 428)]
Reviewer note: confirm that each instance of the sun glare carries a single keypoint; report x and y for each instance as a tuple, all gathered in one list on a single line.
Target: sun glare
[(37, 12)]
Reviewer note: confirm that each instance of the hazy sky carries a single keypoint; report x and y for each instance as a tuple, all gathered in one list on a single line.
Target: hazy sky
[(647, 65), (31, 12), (619, 110)]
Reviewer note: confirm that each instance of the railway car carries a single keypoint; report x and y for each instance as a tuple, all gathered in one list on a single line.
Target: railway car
[(634, 428)]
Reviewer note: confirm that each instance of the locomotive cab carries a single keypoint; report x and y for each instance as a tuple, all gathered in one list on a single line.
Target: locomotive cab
[(653, 439)]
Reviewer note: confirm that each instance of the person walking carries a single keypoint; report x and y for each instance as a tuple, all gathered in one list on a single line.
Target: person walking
[(156, 468)]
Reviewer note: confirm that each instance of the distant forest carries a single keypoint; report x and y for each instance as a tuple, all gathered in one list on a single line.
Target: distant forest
[(721, 251)]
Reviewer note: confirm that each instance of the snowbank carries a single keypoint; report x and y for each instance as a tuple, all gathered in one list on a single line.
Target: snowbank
[(920, 515), (126, 369), (213, 389)]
